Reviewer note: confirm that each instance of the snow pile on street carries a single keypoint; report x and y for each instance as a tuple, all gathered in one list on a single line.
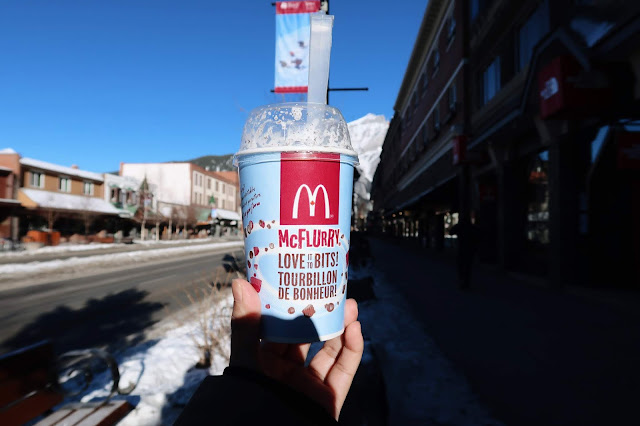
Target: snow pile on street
[(163, 369), (13, 271), (171, 242), (421, 384), (69, 248), (60, 249)]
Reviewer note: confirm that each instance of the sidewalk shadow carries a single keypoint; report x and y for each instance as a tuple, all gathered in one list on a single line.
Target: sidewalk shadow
[(107, 322)]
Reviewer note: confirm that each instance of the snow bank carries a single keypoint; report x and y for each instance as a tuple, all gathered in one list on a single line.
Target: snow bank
[(13, 271), (61, 249), (69, 248), (163, 370)]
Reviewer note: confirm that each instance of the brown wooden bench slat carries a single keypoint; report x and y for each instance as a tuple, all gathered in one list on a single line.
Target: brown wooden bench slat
[(14, 388), (29, 388), (107, 414), (77, 416), (55, 417), (26, 370), (24, 410)]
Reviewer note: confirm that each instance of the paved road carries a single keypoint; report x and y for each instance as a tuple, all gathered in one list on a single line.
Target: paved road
[(107, 309)]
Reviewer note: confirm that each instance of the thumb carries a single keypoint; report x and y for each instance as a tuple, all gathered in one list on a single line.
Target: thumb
[(245, 325)]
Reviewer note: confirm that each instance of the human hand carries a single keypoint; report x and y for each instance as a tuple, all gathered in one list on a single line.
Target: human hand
[(328, 376)]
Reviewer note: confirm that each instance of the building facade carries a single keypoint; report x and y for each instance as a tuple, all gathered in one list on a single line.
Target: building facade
[(186, 192), (415, 182), (545, 157), (10, 207), (51, 196)]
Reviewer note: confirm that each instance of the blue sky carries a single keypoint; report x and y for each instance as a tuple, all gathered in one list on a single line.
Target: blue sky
[(97, 82)]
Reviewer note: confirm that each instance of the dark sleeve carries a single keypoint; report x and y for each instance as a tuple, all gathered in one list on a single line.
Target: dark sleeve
[(245, 397)]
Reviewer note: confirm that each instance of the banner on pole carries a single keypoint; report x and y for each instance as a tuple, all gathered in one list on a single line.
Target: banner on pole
[(292, 45)]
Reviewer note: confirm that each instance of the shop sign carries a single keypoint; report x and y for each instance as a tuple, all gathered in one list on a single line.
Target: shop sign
[(566, 90)]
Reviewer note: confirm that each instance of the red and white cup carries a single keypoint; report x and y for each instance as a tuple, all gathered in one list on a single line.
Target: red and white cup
[(296, 181)]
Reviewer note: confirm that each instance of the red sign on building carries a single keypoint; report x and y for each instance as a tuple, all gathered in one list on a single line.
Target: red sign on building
[(459, 149), (566, 90)]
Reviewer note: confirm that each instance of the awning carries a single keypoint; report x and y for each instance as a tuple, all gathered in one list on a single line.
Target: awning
[(55, 200), (225, 214)]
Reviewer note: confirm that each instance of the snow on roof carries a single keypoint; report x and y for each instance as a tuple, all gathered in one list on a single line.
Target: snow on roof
[(225, 214), (61, 169), (7, 151), (56, 200)]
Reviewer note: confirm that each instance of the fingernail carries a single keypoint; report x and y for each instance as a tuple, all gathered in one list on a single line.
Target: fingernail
[(236, 289)]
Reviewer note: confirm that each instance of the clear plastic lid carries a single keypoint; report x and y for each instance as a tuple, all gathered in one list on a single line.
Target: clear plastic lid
[(302, 127)]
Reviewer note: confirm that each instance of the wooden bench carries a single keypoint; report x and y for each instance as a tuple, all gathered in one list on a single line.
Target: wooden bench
[(30, 388)]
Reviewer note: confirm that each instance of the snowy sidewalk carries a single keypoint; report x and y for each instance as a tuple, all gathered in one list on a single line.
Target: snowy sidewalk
[(421, 386)]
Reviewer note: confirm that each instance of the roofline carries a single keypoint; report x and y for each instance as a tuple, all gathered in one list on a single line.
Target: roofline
[(51, 167), (424, 38)]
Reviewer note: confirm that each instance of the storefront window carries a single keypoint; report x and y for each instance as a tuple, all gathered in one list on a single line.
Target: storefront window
[(538, 199)]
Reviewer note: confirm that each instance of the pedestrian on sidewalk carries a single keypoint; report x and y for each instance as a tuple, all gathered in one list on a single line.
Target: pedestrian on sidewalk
[(468, 239)]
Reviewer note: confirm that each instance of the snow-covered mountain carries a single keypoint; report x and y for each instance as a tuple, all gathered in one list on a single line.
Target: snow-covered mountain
[(367, 136)]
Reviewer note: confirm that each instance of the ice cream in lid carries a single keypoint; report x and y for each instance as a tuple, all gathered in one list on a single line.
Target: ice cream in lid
[(296, 127)]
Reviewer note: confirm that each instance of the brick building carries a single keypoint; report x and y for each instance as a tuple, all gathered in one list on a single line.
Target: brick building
[(542, 151), (51, 196), (415, 181), (188, 193)]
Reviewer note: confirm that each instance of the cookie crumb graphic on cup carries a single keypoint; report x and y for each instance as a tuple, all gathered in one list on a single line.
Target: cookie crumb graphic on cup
[(309, 311), (256, 283), (291, 310), (329, 307), (261, 223), (271, 246), (267, 306)]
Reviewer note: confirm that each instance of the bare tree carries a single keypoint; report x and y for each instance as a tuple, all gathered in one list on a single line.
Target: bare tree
[(51, 214), (145, 200), (87, 214)]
